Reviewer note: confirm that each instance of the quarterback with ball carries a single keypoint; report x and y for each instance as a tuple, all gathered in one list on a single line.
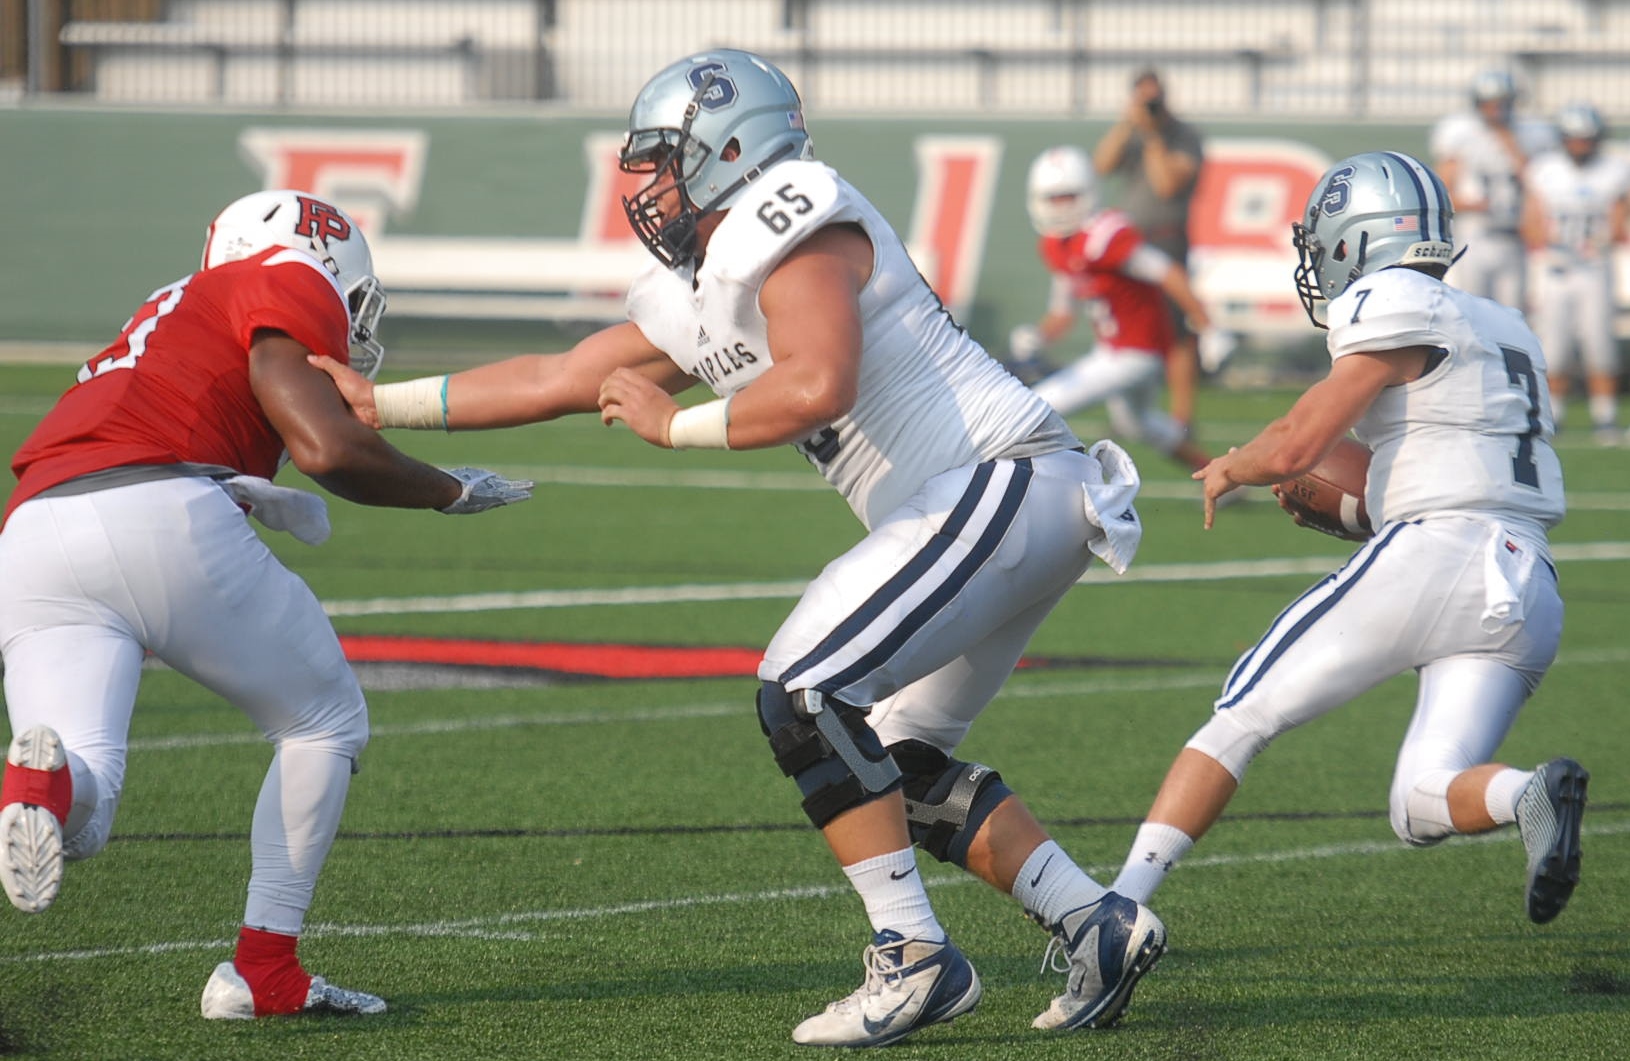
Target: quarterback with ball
[(1449, 392)]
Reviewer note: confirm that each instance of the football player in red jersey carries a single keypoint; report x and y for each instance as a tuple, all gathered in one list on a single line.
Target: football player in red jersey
[(127, 534), (1098, 257)]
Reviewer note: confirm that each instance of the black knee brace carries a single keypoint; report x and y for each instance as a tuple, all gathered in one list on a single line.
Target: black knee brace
[(827, 748), (947, 800)]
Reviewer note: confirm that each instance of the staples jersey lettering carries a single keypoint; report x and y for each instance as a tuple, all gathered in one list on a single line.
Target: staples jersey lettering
[(930, 399), (174, 387), (1127, 313), (1473, 434)]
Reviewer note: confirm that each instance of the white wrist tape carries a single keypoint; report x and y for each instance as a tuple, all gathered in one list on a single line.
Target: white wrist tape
[(420, 404), (705, 426)]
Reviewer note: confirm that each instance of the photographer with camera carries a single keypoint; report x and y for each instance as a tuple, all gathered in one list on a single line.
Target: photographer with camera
[(1155, 157)]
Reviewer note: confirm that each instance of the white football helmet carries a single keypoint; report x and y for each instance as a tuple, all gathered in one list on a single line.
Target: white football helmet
[(1580, 121), (1367, 213), (704, 128), (287, 218), (1061, 192), (1495, 86)]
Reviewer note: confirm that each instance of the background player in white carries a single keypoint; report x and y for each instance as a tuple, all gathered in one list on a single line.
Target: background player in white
[(1480, 156), (1098, 257), (126, 534), (1448, 391), (783, 290), (1574, 216)]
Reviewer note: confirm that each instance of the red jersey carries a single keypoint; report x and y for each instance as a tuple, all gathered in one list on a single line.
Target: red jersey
[(174, 386), (1127, 313)]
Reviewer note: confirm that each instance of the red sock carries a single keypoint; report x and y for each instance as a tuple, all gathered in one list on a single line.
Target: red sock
[(267, 964)]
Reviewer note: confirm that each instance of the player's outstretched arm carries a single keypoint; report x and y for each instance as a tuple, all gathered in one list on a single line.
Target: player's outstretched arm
[(344, 455), (519, 390)]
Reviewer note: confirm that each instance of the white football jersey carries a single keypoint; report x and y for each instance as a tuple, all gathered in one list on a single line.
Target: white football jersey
[(930, 399), (1578, 200), (1488, 173), (1471, 436)]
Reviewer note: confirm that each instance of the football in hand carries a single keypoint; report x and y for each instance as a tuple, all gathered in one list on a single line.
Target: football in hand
[(1330, 497)]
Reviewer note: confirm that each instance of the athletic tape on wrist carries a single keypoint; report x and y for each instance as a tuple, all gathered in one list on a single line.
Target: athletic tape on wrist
[(705, 426), (419, 404)]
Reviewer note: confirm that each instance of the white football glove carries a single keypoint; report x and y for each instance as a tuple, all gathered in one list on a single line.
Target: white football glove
[(484, 489)]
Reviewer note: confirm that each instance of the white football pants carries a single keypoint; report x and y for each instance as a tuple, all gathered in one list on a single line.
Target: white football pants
[(1413, 598), (1573, 317), (87, 582), (927, 616), (1127, 383)]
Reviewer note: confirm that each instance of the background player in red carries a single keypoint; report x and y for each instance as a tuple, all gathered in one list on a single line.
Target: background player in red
[(127, 534), (1097, 257)]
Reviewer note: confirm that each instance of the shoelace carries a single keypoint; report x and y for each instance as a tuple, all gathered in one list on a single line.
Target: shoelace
[(880, 972), (1057, 957)]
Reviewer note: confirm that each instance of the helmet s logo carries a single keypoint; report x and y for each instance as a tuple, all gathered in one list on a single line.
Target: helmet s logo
[(721, 91), (1338, 192), (321, 222)]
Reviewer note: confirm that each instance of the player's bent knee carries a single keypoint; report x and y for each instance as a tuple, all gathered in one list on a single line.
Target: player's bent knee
[(827, 748), (1232, 740), (947, 800)]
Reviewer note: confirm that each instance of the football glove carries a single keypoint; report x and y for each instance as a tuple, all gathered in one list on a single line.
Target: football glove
[(484, 489)]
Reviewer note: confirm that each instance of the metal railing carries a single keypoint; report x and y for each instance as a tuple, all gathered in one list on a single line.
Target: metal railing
[(1304, 59)]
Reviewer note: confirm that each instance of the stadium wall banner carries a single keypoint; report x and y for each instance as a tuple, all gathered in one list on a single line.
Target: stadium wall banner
[(521, 217)]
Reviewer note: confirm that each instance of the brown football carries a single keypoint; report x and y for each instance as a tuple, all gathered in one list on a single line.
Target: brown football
[(1330, 497)]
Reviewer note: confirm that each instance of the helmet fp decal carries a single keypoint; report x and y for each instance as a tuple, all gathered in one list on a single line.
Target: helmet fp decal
[(1338, 192), (721, 91), (321, 222)]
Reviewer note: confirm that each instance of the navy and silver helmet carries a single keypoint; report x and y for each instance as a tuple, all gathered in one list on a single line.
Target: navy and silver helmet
[(705, 128), (1580, 121), (1367, 213)]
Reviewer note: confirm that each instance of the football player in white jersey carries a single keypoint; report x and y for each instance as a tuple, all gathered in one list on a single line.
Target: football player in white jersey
[(1480, 155), (1574, 215), (779, 287), (1448, 390)]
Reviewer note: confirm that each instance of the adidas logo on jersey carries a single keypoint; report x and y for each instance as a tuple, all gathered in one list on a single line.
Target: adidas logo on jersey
[(701, 337)]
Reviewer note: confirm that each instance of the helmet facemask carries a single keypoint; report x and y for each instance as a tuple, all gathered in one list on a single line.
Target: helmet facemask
[(673, 157), (705, 128)]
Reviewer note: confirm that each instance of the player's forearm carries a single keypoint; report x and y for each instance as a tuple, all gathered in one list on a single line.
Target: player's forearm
[(782, 407), (372, 472)]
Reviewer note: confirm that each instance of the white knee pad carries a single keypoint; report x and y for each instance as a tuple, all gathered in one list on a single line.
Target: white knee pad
[(1230, 739), (1420, 811)]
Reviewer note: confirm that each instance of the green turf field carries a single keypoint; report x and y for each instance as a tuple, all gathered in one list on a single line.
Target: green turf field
[(615, 869)]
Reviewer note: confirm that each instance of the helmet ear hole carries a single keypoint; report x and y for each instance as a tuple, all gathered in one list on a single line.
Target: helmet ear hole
[(1340, 253), (732, 150)]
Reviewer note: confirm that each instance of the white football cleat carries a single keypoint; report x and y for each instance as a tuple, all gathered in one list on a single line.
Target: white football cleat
[(1106, 948), (910, 984), (37, 796), (227, 997)]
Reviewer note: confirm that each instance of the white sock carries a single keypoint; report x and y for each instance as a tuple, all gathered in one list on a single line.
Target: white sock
[(1505, 788), (892, 890), (1050, 884), (1155, 850), (1604, 410)]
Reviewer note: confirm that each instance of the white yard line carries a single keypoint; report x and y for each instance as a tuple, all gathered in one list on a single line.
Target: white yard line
[(786, 590), (499, 927)]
